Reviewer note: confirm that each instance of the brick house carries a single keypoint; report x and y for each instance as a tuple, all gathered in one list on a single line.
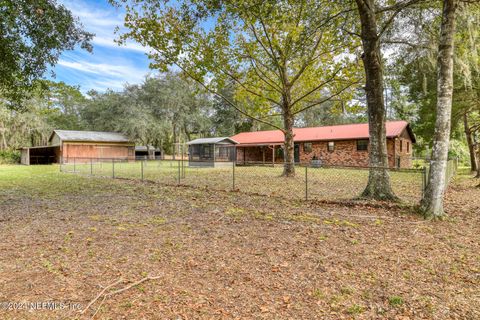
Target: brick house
[(343, 145)]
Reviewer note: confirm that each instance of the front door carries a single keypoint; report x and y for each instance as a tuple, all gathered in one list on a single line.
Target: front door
[(296, 152)]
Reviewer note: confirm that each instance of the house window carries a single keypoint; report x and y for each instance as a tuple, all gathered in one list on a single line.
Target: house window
[(408, 147), (307, 147), (331, 146), (401, 145), (362, 145)]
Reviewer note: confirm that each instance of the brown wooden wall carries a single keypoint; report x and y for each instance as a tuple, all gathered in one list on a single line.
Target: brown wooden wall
[(97, 150)]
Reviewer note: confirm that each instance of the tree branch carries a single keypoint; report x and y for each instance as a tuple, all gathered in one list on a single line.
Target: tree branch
[(399, 6), (226, 99), (316, 88), (326, 99)]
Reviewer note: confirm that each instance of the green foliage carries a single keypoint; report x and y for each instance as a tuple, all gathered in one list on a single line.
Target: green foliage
[(413, 76), (395, 301), (226, 120), (355, 309), (458, 150), (161, 111), (9, 156), (281, 55), (48, 106), (332, 113), (33, 35)]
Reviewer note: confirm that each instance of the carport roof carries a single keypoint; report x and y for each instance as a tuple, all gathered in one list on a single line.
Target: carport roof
[(89, 136)]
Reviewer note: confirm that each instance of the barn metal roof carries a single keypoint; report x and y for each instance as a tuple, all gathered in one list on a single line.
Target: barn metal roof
[(339, 132), (96, 136), (212, 140), (144, 148)]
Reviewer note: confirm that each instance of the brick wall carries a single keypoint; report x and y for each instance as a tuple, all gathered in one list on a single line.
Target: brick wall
[(344, 153), (403, 151)]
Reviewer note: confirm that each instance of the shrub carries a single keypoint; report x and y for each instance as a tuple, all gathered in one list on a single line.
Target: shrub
[(9, 156)]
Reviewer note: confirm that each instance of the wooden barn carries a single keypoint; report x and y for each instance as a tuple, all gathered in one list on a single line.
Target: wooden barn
[(66, 146)]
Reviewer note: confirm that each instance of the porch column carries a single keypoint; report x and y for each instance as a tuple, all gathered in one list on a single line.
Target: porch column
[(273, 155), (214, 146)]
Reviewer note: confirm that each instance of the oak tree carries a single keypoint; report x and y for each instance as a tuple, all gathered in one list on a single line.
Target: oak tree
[(33, 34), (284, 56)]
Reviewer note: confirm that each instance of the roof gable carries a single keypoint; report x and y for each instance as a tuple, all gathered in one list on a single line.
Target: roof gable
[(339, 132), (89, 136), (212, 140)]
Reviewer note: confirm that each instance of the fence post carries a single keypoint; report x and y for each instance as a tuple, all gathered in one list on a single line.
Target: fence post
[(178, 165), (74, 165), (113, 168), (183, 167), (141, 165), (91, 166), (424, 180), (306, 182)]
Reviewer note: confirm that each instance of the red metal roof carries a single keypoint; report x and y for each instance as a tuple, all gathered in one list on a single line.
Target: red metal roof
[(339, 132)]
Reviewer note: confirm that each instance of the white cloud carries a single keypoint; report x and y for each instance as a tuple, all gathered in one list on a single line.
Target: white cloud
[(105, 76), (110, 42), (103, 69), (109, 66), (102, 85), (102, 23)]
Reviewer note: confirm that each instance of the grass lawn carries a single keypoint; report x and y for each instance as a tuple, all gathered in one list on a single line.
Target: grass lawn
[(334, 184), (213, 254)]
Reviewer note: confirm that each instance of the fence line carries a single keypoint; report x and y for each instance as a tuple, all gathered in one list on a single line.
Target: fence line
[(451, 171), (332, 183)]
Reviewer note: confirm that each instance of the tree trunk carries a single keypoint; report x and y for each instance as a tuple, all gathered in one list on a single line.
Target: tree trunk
[(148, 151), (478, 162), (470, 143), (378, 186), (288, 154), (3, 141), (432, 203), (187, 133), (162, 154)]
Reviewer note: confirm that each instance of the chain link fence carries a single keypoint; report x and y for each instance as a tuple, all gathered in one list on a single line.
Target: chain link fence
[(324, 183)]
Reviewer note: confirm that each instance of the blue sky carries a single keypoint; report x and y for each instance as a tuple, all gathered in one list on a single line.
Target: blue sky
[(110, 65)]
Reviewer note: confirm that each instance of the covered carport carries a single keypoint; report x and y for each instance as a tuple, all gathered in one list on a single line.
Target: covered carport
[(40, 155)]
